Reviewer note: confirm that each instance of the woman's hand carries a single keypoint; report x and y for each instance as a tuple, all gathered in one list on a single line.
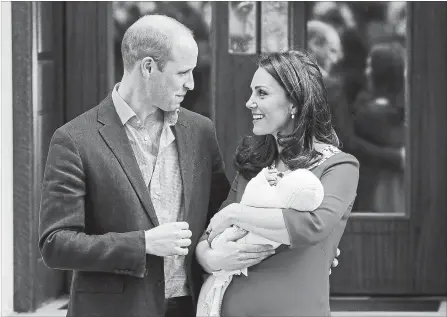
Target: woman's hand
[(334, 261), (222, 220), (229, 255)]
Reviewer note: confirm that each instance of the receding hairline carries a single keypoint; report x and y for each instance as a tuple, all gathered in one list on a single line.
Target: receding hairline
[(161, 23), (155, 34)]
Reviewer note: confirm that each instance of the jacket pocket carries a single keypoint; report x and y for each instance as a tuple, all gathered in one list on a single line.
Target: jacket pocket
[(89, 282)]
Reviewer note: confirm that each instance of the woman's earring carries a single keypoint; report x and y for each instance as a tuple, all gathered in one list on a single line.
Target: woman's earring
[(292, 116)]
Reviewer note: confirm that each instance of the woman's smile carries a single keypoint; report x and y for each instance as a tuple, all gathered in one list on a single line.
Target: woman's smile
[(257, 117)]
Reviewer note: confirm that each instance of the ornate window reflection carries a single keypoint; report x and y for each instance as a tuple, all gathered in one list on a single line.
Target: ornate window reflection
[(274, 26), (361, 50), (242, 27), (194, 14)]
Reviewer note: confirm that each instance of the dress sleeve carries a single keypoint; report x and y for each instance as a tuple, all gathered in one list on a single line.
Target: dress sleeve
[(339, 178)]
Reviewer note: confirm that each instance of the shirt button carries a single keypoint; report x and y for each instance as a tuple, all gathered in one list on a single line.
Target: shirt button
[(145, 138)]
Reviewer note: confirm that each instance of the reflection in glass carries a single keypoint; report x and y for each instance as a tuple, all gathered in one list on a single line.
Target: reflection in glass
[(196, 15), (360, 49), (242, 27), (274, 27)]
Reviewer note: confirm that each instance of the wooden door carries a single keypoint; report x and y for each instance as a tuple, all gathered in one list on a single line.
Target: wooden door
[(387, 253), (38, 90), (88, 55)]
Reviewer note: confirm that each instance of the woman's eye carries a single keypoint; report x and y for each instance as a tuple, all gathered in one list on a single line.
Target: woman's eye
[(262, 93)]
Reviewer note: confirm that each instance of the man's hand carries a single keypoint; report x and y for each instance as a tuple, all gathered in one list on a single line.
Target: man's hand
[(334, 261), (229, 255), (168, 239)]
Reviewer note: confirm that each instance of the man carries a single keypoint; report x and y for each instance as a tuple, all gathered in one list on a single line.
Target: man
[(130, 185)]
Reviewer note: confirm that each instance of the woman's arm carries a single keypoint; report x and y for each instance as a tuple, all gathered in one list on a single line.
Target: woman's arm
[(231, 255), (339, 180), (265, 222)]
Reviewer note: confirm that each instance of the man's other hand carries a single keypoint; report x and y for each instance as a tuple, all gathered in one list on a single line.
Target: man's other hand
[(168, 239)]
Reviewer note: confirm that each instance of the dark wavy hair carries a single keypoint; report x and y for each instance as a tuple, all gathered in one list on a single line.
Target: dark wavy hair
[(301, 78)]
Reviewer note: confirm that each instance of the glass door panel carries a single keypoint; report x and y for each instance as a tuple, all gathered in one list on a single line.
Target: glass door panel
[(361, 50)]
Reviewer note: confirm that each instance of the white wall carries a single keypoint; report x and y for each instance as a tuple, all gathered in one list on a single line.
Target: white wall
[(6, 190)]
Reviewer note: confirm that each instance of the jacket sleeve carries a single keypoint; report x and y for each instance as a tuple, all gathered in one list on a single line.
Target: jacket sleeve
[(339, 180), (62, 241)]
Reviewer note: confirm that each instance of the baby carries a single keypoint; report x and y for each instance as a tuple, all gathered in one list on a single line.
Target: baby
[(299, 189)]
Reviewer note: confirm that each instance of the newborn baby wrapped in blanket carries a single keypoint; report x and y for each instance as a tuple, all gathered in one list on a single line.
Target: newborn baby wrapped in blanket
[(299, 189)]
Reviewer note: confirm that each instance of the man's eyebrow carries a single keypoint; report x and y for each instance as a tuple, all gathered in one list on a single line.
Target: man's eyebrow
[(188, 69)]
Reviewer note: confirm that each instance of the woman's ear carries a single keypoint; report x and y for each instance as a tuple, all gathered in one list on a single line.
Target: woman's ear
[(293, 109)]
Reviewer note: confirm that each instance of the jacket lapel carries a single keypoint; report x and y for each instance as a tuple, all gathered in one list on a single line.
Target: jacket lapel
[(115, 136), (184, 137)]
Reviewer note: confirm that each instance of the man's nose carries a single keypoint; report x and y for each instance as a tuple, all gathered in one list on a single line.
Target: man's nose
[(189, 84)]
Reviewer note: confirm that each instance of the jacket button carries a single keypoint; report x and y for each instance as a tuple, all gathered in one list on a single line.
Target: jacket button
[(160, 283)]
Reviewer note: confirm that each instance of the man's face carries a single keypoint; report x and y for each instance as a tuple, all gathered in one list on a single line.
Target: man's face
[(168, 87), (328, 52)]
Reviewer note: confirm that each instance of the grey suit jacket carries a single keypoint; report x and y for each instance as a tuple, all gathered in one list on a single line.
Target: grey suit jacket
[(95, 207)]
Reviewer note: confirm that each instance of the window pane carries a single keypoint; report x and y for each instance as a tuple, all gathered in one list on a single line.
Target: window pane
[(361, 50), (242, 27), (274, 26)]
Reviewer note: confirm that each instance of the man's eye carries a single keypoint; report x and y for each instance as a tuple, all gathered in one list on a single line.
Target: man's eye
[(184, 73)]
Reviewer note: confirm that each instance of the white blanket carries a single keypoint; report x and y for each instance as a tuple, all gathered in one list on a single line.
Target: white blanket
[(299, 189)]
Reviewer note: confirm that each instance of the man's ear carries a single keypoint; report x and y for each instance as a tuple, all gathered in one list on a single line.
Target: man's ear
[(147, 66)]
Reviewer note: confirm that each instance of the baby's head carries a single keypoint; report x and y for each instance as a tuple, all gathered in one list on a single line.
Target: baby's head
[(301, 190)]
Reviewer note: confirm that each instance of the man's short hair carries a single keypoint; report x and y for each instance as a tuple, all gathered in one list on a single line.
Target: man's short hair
[(151, 35)]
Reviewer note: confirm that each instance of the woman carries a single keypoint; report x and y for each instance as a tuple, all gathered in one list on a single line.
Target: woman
[(292, 127), (380, 120), (300, 190)]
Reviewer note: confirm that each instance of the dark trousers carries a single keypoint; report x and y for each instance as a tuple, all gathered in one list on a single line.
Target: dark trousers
[(180, 307)]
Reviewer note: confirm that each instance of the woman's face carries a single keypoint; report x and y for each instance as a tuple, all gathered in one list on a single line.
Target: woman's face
[(271, 108)]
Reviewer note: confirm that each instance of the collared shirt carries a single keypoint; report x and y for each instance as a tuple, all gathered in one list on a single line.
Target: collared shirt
[(152, 141)]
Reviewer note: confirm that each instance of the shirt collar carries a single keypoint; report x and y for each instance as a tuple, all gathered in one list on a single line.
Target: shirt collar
[(122, 108), (125, 112)]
